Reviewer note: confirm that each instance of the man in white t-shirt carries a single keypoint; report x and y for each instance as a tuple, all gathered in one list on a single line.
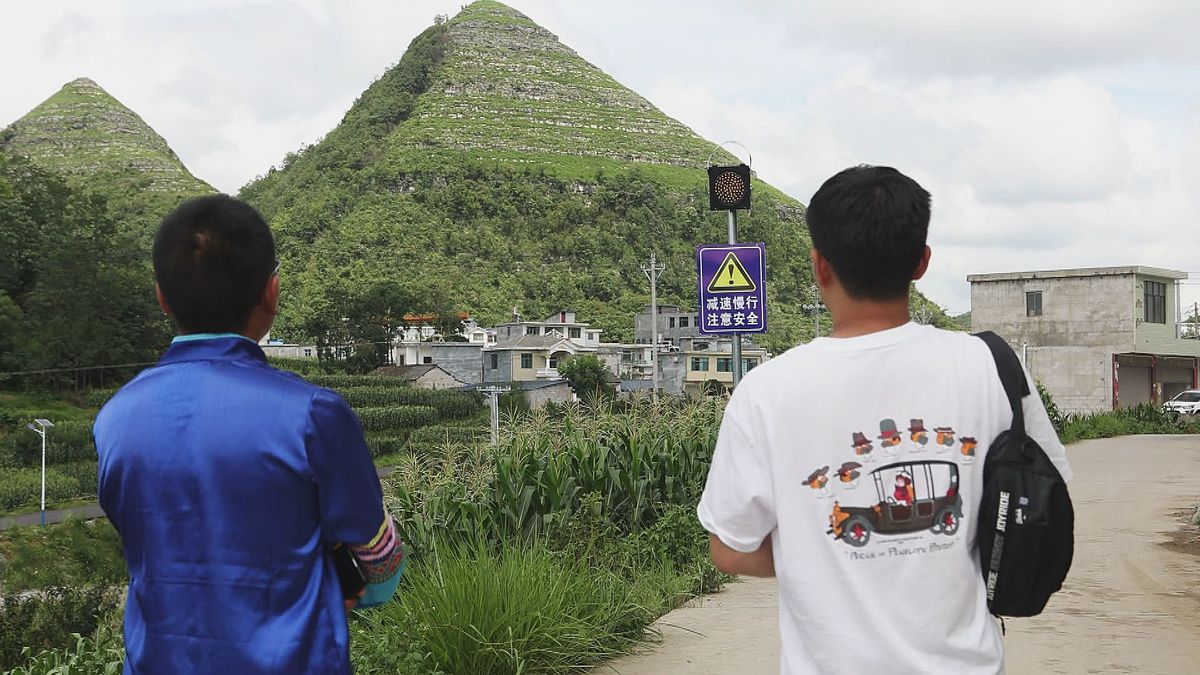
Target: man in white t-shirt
[(878, 572)]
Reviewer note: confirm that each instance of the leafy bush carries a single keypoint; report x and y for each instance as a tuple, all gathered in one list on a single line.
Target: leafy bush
[(397, 417), (48, 620), (1140, 419)]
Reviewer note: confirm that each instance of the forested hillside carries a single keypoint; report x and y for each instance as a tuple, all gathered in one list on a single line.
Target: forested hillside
[(493, 167)]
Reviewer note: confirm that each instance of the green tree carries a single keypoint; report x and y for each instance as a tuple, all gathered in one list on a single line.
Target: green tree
[(589, 377)]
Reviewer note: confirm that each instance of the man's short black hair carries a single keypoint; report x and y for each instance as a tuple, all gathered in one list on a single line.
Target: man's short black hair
[(870, 223), (212, 258)]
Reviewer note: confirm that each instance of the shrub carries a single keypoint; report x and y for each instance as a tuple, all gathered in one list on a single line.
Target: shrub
[(48, 620), (72, 553), (397, 417)]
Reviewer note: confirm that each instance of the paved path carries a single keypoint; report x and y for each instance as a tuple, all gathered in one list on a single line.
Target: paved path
[(1130, 605), (84, 512)]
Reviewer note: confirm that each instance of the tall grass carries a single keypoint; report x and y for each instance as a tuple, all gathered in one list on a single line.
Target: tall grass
[(516, 610)]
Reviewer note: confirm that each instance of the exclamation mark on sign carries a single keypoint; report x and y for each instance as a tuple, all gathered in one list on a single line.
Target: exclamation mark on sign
[(730, 268)]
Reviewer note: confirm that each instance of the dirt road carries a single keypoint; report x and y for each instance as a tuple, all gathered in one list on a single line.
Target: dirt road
[(1130, 605)]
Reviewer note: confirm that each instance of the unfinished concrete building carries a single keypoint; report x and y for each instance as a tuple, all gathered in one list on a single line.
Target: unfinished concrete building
[(1097, 338)]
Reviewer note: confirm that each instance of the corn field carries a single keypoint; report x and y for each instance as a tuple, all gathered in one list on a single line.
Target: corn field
[(635, 462)]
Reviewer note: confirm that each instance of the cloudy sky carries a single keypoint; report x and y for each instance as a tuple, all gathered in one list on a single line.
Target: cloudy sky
[(1050, 134)]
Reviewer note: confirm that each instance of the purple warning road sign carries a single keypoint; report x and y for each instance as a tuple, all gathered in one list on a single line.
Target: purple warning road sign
[(733, 297)]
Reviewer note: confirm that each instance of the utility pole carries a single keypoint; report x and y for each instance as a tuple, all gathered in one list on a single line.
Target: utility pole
[(493, 393), (652, 271), (815, 307)]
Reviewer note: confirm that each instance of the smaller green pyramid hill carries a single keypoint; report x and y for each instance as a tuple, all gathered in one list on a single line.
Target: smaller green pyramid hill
[(82, 132)]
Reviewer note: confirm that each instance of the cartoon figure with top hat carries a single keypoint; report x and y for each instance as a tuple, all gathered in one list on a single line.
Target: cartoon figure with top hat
[(918, 434), (889, 436), (945, 438), (862, 446), (817, 480), (968, 449), (849, 474)]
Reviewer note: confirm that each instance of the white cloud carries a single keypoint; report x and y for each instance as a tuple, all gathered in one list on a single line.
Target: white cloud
[(1050, 135)]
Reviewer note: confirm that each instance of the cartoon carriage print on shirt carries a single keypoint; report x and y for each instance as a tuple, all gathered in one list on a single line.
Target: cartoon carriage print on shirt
[(911, 496)]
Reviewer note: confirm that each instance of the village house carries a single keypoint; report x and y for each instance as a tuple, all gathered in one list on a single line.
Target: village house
[(1097, 338), (701, 359), (428, 376)]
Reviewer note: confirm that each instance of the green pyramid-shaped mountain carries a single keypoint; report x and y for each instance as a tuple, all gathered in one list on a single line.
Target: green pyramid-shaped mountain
[(493, 168), (89, 137)]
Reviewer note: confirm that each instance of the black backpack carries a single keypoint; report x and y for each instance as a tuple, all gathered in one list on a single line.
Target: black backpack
[(1026, 523)]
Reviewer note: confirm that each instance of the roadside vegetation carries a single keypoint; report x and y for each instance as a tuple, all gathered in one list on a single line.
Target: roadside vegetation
[(547, 554), (1140, 419)]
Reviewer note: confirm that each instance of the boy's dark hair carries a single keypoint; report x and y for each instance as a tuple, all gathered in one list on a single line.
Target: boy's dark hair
[(870, 223), (212, 258)]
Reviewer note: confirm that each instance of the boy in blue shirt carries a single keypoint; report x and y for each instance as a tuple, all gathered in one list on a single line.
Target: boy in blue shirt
[(228, 480)]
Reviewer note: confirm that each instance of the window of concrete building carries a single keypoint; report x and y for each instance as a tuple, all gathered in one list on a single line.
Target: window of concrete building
[(670, 322), (427, 359), (748, 364), (700, 363), (495, 361), (1033, 303), (683, 322), (531, 330), (308, 353), (527, 360), (1156, 302), (575, 333), (724, 365), (401, 361)]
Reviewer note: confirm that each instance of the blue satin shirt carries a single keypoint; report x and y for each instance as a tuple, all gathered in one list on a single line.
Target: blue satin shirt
[(225, 478)]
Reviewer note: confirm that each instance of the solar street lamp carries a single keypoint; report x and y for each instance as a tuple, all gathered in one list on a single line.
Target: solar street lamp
[(42, 425)]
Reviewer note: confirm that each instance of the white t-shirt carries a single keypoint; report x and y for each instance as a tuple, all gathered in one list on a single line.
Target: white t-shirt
[(862, 458)]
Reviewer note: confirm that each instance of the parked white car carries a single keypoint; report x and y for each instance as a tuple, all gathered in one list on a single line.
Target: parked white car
[(1187, 401)]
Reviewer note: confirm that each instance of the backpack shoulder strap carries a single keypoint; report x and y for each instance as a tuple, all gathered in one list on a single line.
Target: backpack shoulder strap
[(1012, 376)]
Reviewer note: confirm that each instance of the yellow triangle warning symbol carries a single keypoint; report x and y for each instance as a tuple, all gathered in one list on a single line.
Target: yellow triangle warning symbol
[(731, 277)]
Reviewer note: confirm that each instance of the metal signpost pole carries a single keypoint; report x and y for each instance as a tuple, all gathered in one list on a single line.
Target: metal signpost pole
[(736, 339)]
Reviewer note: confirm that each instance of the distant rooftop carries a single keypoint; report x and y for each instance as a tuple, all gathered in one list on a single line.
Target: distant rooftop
[(1141, 270)]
